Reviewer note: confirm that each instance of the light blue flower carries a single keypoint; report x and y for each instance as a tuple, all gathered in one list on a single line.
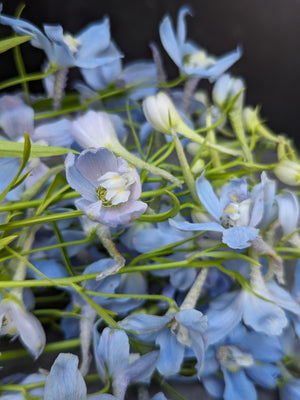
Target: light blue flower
[(245, 359), (112, 356), (109, 186), (189, 58), (88, 49), (263, 311), (236, 213), (173, 332)]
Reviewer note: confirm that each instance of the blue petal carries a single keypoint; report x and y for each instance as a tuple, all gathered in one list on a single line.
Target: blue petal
[(65, 381), (23, 27), (181, 25), (100, 77), (171, 353), (56, 133), (16, 117), (221, 65), (189, 226), (265, 375), (93, 39), (238, 386), (208, 198), (169, 40), (291, 390), (263, 316), (223, 315), (192, 319), (145, 324), (240, 237)]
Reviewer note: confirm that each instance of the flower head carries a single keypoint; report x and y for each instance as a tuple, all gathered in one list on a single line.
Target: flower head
[(88, 49), (109, 186), (191, 59)]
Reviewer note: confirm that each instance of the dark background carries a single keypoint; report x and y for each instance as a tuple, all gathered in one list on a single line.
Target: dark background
[(268, 30)]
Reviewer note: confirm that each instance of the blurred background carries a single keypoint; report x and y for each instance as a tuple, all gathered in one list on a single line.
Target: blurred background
[(268, 31)]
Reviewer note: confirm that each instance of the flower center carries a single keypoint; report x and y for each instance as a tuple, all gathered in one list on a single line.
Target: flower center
[(101, 195), (198, 59), (71, 42), (114, 188), (237, 214), (232, 358)]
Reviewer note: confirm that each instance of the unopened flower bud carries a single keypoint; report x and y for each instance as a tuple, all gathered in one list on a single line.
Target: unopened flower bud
[(251, 119), (225, 90), (161, 113), (198, 167), (288, 172)]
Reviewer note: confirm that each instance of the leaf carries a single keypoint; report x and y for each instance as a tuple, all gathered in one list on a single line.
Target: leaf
[(26, 147), (11, 42), (14, 149), (6, 240)]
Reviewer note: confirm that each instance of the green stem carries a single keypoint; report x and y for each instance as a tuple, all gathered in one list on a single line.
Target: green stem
[(188, 176), (121, 151)]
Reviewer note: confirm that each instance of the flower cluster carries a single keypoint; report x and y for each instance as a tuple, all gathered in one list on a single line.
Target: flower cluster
[(146, 239)]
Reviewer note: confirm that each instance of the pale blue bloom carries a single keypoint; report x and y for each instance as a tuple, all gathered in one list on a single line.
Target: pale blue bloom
[(189, 58), (262, 312), (245, 359), (109, 186), (112, 356), (90, 48), (173, 332), (236, 213)]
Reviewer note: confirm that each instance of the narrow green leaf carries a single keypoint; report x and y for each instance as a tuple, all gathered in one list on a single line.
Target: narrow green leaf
[(25, 157), (6, 240), (14, 149), (11, 42)]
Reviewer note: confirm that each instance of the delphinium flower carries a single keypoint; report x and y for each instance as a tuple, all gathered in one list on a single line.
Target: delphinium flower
[(109, 186), (90, 48), (264, 309), (245, 359), (113, 359), (190, 58), (173, 333), (236, 213)]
